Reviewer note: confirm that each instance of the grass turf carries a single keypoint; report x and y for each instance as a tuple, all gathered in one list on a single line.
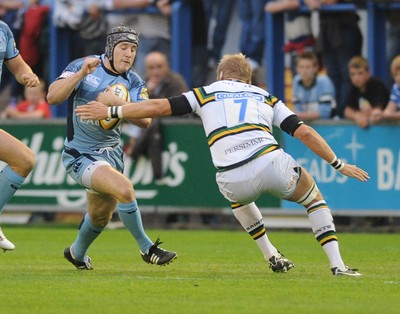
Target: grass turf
[(216, 272)]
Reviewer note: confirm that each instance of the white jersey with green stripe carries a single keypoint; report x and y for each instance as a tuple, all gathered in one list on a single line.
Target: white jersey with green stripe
[(238, 120)]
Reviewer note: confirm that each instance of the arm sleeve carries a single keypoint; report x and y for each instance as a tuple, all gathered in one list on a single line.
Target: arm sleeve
[(179, 105), (290, 124)]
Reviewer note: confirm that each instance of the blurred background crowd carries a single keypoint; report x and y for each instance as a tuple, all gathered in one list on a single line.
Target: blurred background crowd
[(328, 75)]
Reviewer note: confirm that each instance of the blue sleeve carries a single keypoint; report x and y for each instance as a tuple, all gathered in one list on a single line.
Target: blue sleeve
[(138, 88), (295, 93), (327, 100), (11, 48)]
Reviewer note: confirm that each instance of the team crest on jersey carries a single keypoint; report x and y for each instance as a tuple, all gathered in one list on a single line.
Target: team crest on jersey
[(122, 92)]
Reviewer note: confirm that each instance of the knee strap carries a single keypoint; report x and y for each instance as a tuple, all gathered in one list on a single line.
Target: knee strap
[(309, 195)]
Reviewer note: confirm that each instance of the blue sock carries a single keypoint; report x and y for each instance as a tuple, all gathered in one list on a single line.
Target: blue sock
[(87, 233), (10, 182), (130, 216)]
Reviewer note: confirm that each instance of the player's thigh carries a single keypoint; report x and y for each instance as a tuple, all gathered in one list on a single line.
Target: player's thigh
[(304, 184), (106, 180), (15, 153)]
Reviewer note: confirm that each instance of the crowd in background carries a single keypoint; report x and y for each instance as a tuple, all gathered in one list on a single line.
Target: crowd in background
[(331, 78)]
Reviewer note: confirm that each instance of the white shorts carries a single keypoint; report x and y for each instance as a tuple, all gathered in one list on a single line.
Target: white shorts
[(275, 173)]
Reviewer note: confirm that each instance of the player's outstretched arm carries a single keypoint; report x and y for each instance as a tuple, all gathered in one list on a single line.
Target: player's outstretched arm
[(320, 147), (152, 108)]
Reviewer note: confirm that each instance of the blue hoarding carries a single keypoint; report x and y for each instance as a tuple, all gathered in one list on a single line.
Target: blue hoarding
[(376, 149)]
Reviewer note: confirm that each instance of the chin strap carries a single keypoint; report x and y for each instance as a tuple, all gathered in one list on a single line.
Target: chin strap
[(112, 64)]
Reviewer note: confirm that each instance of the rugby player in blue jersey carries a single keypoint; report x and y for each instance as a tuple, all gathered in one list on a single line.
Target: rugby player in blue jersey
[(93, 153), (19, 158)]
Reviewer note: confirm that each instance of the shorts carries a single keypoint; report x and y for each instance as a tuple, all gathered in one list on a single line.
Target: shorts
[(275, 173), (79, 165)]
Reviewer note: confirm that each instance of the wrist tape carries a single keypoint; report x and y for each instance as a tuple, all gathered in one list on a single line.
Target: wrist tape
[(337, 163), (115, 112)]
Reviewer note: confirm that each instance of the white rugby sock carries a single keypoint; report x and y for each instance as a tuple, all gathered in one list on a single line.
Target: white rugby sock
[(324, 231), (252, 221)]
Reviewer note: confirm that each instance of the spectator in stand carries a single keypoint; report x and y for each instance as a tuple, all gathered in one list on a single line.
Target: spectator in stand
[(251, 15), (298, 30), (34, 106), (161, 82), (393, 35), (313, 93), (9, 14), (368, 95), (154, 28), (85, 22), (67, 15), (339, 40), (220, 11), (199, 42), (93, 27), (392, 111), (34, 19)]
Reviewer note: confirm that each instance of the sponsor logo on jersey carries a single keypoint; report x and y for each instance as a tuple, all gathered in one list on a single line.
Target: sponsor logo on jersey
[(92, 80)]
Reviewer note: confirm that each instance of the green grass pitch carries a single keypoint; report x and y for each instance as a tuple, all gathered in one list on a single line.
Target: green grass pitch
[(216, 272)]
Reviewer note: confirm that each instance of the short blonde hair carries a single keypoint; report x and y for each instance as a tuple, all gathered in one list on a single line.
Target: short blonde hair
[(395, 65), (234, 66), (358, 62)]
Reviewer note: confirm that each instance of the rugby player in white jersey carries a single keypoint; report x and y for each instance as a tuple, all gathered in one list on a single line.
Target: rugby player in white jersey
[(238, 119)]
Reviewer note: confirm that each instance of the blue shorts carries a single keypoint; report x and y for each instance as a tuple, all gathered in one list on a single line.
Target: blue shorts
[(80, 164)]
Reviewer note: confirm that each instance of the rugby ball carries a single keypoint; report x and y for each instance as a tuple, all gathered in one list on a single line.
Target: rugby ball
[(122, 92)]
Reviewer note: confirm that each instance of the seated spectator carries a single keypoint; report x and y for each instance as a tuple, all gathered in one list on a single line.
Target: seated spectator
[(339, 39), (161, 81), (313, 93), (392, 111), (34, 106), (368, 96)]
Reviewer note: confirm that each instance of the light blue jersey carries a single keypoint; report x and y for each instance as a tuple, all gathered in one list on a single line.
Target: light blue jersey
[(8, 49), (319, 97), (88, 136), (92, 141), (395, 95)]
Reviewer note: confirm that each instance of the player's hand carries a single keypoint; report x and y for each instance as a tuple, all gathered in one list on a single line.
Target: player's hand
[(30, 80), (92, 111), (354, 172), (108, 98), (89, 65)]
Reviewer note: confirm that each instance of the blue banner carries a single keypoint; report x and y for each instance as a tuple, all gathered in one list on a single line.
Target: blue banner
[(376, 150)]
